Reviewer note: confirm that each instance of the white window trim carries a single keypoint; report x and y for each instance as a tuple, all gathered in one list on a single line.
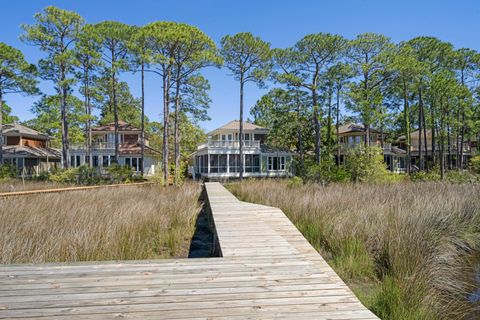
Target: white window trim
[(282, 163)]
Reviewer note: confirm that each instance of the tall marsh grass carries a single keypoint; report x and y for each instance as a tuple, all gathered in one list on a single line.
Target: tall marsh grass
[(131, 222), (408, 250)]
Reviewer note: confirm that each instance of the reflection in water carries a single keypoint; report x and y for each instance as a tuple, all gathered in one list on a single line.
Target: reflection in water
[(475, 297)]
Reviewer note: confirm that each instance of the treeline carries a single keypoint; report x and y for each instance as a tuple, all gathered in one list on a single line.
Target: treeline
[(421, 84), (85, 61)]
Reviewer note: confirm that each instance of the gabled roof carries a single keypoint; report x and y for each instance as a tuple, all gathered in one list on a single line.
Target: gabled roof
[(353, 127), (235, 125), (16, 129), (122, 126), (415, 135)]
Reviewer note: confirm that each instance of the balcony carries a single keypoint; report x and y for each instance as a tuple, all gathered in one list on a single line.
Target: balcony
[(95, 146), (229, 144)]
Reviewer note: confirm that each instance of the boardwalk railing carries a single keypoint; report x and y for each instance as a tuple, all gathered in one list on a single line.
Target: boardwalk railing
[(267, 270)]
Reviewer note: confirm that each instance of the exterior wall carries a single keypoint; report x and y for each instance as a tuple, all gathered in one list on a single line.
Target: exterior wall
[(150, 164), (225, 173), (33, 143)]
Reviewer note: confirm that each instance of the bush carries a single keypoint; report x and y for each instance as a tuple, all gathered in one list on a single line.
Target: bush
[(365, 164), (120, 173), (326, 172), (7, 171), (295, 182), (64, 176), (475, 164)]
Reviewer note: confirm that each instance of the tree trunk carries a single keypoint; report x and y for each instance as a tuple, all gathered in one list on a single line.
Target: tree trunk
[(425, 146), (142, 137), (406, 116), (462, 141), (442, 141), (337, 125), (329, 122), (88, 131), (316, 122), (299, 134), (241, 127), (176, 131), (432, 115), (115, 108), (420, 116), (63, 114), (1, 128), (166, 101)]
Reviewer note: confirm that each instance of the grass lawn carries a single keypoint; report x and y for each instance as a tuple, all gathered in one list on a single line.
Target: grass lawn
[(408, 250), (132, 222)]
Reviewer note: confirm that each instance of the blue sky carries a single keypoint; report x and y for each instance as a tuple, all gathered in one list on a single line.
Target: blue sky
[(279, 22)]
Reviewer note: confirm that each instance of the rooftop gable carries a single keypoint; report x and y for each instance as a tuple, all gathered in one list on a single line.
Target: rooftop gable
[(122, 126), (234, 125), (16, 129)]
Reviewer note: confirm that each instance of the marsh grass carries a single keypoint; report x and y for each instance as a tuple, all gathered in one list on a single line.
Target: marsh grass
[(131, 222), (14, 185), (408, 250)]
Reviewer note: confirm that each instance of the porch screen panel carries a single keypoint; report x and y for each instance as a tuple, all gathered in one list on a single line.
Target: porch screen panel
[(222, 159), (214, 164), (234, 163)]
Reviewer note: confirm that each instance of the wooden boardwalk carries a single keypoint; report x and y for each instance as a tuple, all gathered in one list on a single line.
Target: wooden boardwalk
[(267, 271)]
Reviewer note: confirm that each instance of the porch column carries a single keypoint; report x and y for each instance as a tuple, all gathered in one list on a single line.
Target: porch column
[(208, 163), (228, 163)]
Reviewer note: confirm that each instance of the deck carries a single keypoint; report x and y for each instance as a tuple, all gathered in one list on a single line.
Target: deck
[(267, 271)]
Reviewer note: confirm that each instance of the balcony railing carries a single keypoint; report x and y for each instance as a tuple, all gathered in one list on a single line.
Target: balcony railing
[(95, 146), (230, 144)]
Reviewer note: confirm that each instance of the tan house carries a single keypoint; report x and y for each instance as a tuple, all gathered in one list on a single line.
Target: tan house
[(103, 149), (28, 150), (353, 134), (450, 153)]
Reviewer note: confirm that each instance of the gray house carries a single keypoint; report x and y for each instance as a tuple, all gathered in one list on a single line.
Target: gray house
[(219, 157)]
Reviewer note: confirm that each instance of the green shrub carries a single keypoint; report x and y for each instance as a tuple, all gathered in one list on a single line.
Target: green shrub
[(64, 176), (365, 164), (475, 164), (119, 173), (326, 172), (460, 176), (295, 182), (433, 175), (7, 171)]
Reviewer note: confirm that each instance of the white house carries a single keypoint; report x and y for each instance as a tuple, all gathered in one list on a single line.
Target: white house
[(219, 156)]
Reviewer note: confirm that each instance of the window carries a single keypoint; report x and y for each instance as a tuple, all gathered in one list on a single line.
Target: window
[(113, 160), (72, 161), (252, 163), (135, 164), (105, 161), (128, 162), (222, 162), (276, 163), (87, 160), (95, 161)]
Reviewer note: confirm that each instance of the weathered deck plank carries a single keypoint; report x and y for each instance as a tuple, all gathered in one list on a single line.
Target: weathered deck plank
[(267, 270)]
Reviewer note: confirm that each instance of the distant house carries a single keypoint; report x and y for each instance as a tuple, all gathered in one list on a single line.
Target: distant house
[(450, 152), (219, 156), (353, 134), (103, 149), (28, 150)]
